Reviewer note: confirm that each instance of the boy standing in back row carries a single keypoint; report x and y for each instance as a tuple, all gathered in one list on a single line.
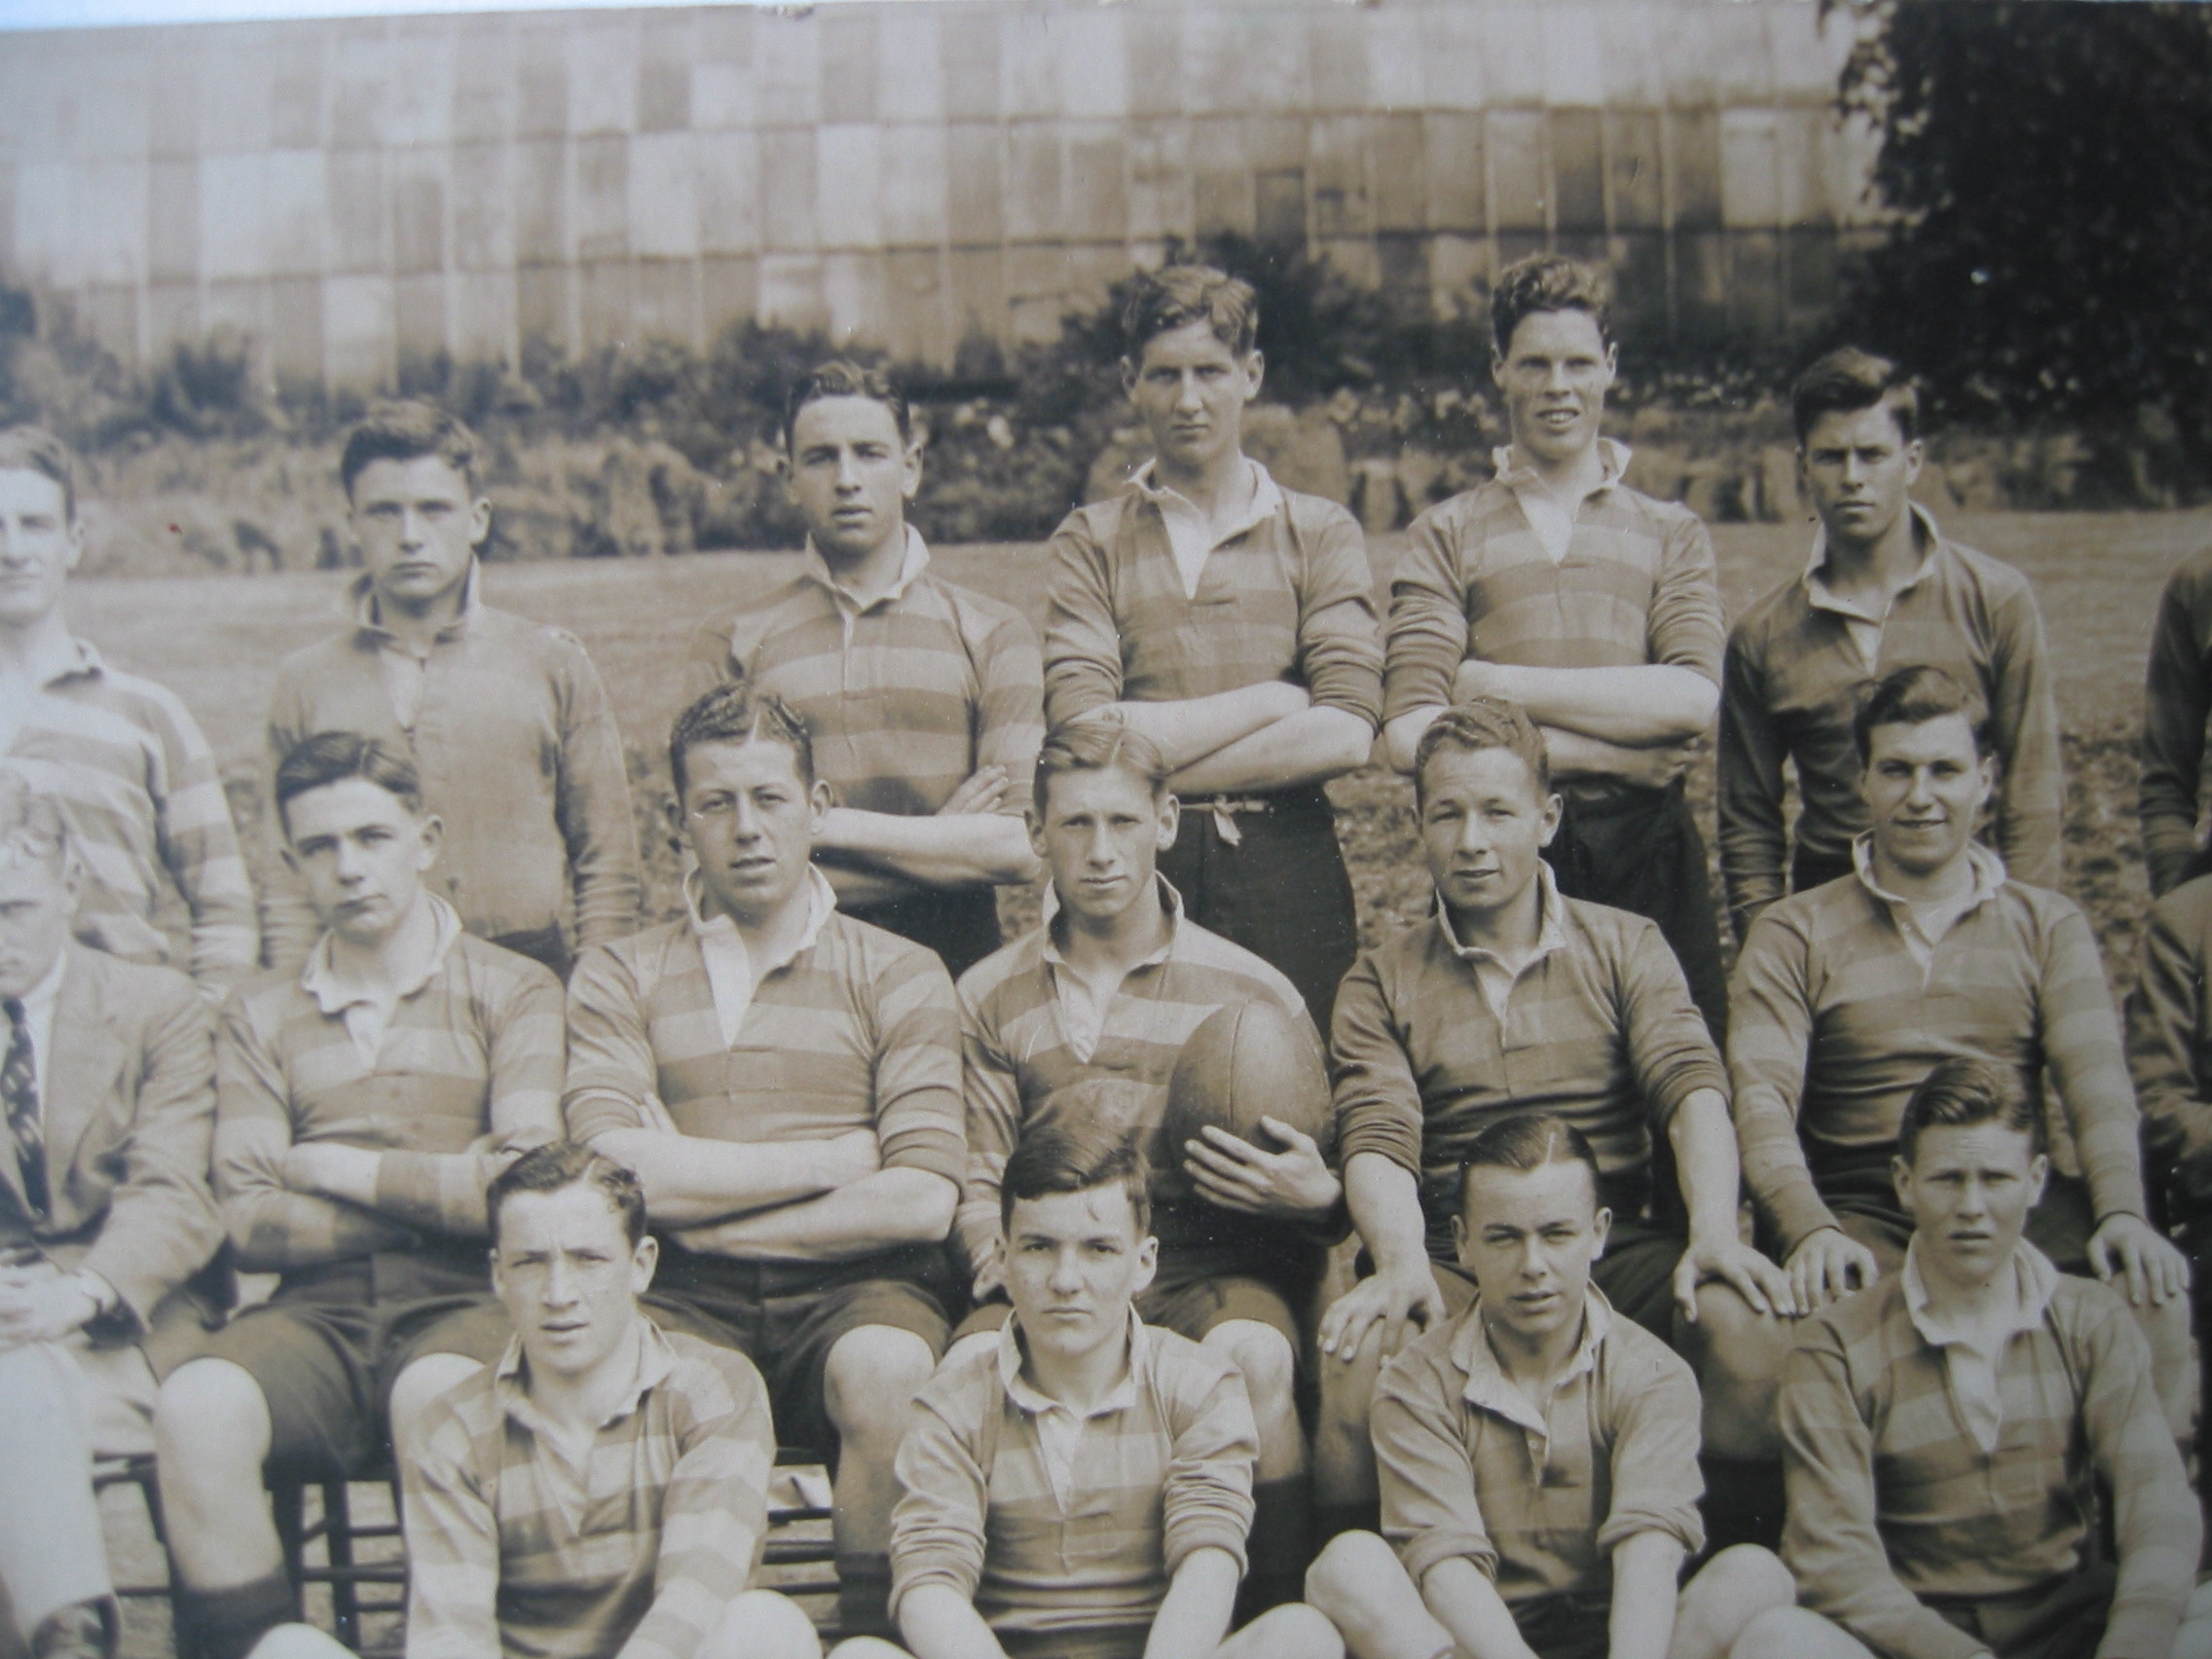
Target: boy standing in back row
[(504, 719), (1233, 623), (1589, 605)]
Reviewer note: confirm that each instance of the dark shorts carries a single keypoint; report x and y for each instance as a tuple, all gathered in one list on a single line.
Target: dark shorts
[(1640, 851), (787, 1317), (961, 924), (1865, 1205), (1121, 1642), (1282, 891), (1570, 1625), (1636, 1274), (2065, 1619), (325, 1350)]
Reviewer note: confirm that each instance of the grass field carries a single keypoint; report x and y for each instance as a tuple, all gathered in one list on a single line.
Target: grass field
[(217, 641)]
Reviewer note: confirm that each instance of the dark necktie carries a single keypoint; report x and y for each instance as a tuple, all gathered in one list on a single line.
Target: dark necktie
[(19, 1092)]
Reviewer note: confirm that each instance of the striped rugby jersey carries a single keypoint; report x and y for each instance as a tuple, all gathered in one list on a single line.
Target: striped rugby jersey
[(1835, 1022), (1018, 1047), (857, 1031), (1290, 598), (1599, 1029), (466, 1075), (904, 698), (137, 784), (1163, 1468), (638, 1549)]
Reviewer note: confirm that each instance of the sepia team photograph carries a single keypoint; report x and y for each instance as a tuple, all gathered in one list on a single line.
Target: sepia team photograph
[(1105, 829)]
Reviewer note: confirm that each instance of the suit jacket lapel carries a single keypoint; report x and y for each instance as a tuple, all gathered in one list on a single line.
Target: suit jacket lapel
[(78, 1084)]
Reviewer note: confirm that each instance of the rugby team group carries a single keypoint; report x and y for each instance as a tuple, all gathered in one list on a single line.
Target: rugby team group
[(576, 1223)]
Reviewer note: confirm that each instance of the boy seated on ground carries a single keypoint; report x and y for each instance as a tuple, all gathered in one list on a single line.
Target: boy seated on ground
[(1538, 1452), (1081, 1487), (1947, 1431)]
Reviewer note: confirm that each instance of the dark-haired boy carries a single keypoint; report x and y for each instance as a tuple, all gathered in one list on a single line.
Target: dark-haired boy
[(1233, 623), (1848, 995), (1538, 1451), (362, 1103), (1882, 589), (118, 755), (603, 1489), (924, 700), (785, 1079), (1589, 605), (1512, 999), (504, 719), (1080, 1488), (1954, 1433)]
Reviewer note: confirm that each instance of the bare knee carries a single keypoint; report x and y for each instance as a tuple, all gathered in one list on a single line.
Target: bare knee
[(1794, 1632), (761, 1624), (1264, 1355), (1347, 1385), (870, 1381), (868, 1647), (1346, 1573), (299, 1642), (1294, 1630), (211, 1414), (1750, 1579)]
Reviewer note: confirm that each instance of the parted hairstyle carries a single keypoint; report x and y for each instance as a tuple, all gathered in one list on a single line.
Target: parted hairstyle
[(1964, 1090), (1176, 295), (1547, 283), (34, 449), (559, 1164), (1097, 746), (1478, 723), (31, 826), (737, 711), (1909, 696), (1848, 379), (332, 756), (407, 429), (1526, 1140), (1074, 1155), (844, 378)]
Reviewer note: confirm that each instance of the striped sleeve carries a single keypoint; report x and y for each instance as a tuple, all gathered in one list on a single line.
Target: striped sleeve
[(920, 1122), (1206, 1497), (1082, 644), (2177, 703), (937, 1528), (453, 1545), (1339, 648), (611, 1069), (2164, 1015), (714, 1512), (1755, 838), (2088, 1063), (2154, 1514), (1686, 627), (1670, 1045), (592, 804), (1652, 1423), (200, 844), (1377, 1100), (1432, 1511), (993, 1098), (288, 920), (1769, 1030), (2032, 802), (1009, 711), (1428, 634)]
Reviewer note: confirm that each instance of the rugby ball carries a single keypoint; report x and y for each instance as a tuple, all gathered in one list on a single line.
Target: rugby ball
[(1244, 1062)]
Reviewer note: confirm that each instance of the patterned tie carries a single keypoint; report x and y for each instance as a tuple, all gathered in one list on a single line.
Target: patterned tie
[(19, 1092)]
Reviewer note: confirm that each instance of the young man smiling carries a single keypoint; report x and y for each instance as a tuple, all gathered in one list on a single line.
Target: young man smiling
[(1233, 623), (1848, 995), (1512, 998), (504, 719), (1080, 1488), (1950, 1429), (1592, 606), (1538, 1451), (785, 1080), (924, 700), (1112, 987), (1882, 589), (362, 1104), (118, 754)]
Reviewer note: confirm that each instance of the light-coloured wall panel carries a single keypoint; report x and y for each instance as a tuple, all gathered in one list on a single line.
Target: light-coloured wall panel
[(728, 174), (847, 183), (1750, 169), (664, 196), (912, 183), (909, 84)]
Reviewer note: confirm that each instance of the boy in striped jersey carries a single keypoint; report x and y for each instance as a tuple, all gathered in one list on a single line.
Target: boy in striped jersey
[(923, 700), (362, 1103), (1080, 1485), (1233, 623), (1111, 986), (1592, 606), (785, 1079), (119, 754), (1953, 1433)]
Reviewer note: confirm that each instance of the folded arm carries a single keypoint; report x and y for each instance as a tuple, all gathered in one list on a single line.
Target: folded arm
[(1636, 707), (964, 849), (693, 1181), (1309, 747), (1189, 729), (883, 1211)]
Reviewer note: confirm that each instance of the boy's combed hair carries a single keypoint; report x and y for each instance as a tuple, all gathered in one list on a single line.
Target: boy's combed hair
[(1524, 1141), (842, 378), (1849, 380), (32, 829), (1963, 1091), (1080, 1150), (738, 711), (1484, 722), (1177, 295), (1913, 696), (1547, 283), (34, 449), (1097, 746), (332, 756), (559, 1164), (407, 429)]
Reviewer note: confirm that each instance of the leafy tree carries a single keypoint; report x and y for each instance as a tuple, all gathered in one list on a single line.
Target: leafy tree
[(2052, 168)]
